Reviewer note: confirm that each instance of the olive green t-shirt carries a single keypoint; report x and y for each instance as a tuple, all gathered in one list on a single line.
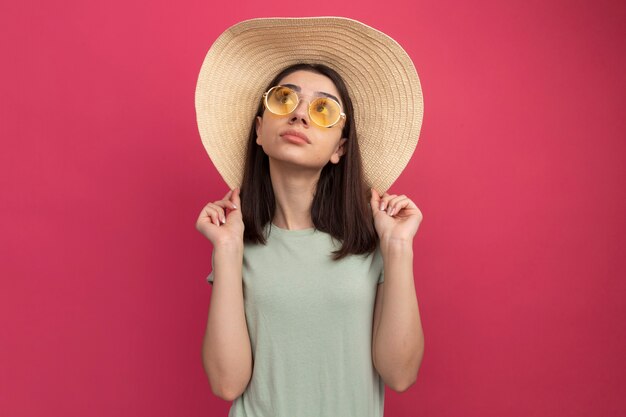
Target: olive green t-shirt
[(310, 324)]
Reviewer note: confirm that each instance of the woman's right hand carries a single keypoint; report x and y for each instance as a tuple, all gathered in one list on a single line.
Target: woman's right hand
[(221, 221)]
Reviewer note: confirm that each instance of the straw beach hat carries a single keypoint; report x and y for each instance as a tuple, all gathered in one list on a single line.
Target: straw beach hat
[(380, 77)]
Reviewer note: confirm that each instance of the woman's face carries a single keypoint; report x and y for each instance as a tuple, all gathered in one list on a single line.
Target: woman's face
[(321, 144)]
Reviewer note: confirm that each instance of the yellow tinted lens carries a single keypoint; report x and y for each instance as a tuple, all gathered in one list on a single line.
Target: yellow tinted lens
[(325, 112), (282, 100)]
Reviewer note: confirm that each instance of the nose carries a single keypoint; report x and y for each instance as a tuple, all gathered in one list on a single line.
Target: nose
[(300, 113)]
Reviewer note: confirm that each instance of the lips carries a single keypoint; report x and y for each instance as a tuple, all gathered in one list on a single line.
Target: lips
[(292, 132)]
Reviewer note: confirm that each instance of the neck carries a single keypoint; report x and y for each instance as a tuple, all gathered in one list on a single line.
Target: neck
[(294, 187)]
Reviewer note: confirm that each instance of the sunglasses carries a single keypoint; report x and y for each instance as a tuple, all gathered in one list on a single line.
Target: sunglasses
[(323, 111)]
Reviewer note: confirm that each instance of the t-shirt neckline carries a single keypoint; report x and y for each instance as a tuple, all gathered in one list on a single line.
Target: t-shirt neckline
[(286, 232)]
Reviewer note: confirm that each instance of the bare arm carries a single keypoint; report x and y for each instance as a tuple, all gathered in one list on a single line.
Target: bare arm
[(226, 351), (398, 346)]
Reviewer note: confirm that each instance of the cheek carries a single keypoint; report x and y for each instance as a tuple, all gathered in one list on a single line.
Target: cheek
[(336, 142), (268, 125), (261, 129)]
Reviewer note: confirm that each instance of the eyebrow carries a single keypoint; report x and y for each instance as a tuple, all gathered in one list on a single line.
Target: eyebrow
[(298, 89)]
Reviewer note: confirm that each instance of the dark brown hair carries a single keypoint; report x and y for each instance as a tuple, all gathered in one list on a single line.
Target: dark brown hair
[(340, 204)]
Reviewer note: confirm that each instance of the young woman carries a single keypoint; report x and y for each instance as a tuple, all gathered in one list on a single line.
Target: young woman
[(300, 323)]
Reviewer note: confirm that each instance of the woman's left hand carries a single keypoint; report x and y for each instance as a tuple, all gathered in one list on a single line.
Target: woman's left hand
[(399, 219)]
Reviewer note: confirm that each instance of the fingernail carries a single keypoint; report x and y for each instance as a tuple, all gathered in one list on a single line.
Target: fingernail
[(223, 220), (391, 211), (234, 206), (382, 206)]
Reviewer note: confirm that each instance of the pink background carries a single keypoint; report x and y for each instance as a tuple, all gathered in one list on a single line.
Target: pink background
[(519, 172)]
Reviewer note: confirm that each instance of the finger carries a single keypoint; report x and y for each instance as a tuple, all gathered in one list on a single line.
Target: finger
[(385, 200), (210, 213), (394, 200), (228, 194), (220, 211), (227, 204), (223, 204), (397, 204), (235, 197), (405, 204), (375, 199)]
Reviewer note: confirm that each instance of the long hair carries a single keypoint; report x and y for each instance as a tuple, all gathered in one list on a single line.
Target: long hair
[(340, 204)]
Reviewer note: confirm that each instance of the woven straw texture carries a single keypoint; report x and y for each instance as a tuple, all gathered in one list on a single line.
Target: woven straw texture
[(380, 77)]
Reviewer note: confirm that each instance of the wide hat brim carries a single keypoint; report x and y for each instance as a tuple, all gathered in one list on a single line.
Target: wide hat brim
[(380, 77)]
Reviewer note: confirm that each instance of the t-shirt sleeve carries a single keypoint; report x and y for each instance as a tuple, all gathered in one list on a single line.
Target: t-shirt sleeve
[(378, 266), (210, 277)]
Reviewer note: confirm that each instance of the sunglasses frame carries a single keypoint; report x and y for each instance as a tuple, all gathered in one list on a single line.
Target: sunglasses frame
[(342, 115)]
